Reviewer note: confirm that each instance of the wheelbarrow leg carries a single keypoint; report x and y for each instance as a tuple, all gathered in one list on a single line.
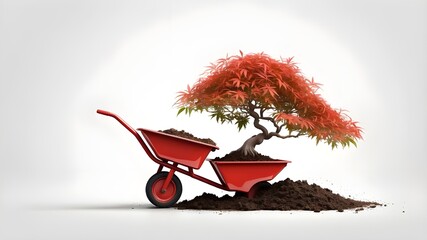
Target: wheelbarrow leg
[(168, 180)]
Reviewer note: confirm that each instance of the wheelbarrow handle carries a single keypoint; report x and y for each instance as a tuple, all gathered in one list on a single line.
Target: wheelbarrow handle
[(106, 113), (131, 130), (119, 119)]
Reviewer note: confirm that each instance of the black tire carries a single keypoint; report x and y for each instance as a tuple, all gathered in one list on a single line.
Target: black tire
[(163, 199)]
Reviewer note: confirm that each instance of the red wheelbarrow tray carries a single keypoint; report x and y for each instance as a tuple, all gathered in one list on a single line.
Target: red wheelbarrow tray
[(233, 175)]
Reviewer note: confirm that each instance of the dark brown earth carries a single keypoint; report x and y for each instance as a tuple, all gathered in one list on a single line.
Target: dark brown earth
[(283, 195), (237, 156), (184, 134)]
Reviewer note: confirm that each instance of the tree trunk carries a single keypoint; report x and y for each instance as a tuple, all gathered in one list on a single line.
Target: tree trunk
[(248, 147)]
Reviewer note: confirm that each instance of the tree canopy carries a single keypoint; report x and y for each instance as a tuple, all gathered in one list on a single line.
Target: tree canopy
[(255, 86)]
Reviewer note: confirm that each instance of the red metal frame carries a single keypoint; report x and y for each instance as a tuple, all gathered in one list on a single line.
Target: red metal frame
[(164, 162)]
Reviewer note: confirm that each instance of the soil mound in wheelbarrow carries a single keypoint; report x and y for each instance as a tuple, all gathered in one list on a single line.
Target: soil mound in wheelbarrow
[(184, 134), (283, 195), (238, 156)]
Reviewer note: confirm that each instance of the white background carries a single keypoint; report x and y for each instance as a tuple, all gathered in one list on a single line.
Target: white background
[(69, 173)]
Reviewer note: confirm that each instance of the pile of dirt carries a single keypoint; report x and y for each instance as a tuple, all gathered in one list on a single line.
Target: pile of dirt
[(238, 156), (283, 195), (187, 135)]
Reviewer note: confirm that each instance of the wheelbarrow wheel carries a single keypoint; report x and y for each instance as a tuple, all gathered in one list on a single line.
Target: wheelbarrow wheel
[(254, 191), (161, 198)]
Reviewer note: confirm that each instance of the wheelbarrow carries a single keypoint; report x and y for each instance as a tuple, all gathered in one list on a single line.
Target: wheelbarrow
[(183, 155)]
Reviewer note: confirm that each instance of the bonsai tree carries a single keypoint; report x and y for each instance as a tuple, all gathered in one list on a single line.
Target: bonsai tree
[(256, 87)]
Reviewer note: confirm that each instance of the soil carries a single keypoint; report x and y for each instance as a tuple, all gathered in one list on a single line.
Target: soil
[(283, 195), (184, 134), (237, 156)]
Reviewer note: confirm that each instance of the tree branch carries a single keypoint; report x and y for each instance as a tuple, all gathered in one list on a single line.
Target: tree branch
[(256, 117), (275, 134), (280, 127), (261, 111)]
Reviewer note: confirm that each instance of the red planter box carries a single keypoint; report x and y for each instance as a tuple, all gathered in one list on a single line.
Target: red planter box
[(177, 149), (242, 175)]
